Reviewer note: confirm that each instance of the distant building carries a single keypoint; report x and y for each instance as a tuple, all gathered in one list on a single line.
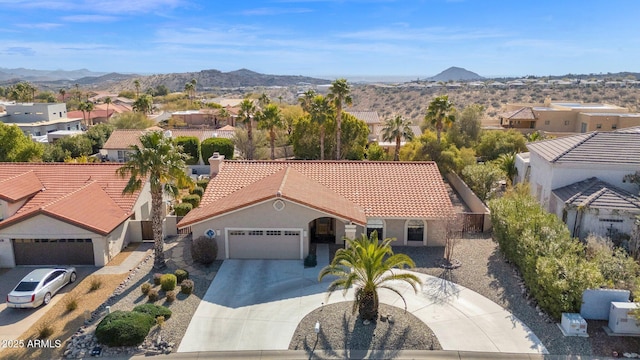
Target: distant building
[(39, 119), (567, 117)]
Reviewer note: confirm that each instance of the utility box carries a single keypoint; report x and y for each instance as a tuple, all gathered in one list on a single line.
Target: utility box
[(620, 319), (573, 324)]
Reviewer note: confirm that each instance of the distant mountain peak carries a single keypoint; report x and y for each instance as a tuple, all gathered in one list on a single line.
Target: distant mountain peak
[(455, 73)]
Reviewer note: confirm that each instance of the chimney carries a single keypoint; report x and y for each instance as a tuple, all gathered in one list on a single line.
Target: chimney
[(215, 164)]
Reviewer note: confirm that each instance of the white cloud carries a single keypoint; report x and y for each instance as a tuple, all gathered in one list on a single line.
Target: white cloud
[(42, 26), (89, 18)]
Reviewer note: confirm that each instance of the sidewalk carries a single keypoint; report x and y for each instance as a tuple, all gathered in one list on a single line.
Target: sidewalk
[(134, 258)]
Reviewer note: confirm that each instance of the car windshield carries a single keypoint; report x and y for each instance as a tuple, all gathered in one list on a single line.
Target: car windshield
[(27, 286)]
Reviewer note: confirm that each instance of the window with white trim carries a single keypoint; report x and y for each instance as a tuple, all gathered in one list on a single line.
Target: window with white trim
[(291, 233), (237, 233), (256, 233), (375, 225), (274, 232), (415, 230)]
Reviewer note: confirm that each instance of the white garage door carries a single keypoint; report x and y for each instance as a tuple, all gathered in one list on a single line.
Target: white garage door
[(264, 243)]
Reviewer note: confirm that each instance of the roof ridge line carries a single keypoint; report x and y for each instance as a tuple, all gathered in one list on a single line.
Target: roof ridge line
[(283, 182), (18, 175), (591, 135)]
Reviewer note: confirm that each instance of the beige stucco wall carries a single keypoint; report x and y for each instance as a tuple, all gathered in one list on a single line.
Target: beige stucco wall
[(263, 215)]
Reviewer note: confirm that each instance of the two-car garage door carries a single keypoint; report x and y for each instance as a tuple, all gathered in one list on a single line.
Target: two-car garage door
[(53, 251), (264, 243)]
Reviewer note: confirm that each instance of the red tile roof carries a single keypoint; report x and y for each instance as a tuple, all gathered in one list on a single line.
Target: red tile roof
[(286, 183), (95, 114), (525, 113), (86, 195), (20, 186), (382, 189), (121, 139)]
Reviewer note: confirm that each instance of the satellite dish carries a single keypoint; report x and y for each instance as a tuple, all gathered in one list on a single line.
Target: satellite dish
[(211, 234), (168, 134)]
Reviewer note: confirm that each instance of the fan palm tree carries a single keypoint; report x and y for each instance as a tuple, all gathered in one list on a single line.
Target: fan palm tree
[(62, 92), (107, 101), (189, 88), (143, 104), (271, 119), (320, 111), (507, 163), (440, 113), (136, 84), (339, 95), (246, 114), (162, 163), (368, 265), (395, 130), (306, 99), (83, 107), (89, 106), (194, 82), (263, 100)]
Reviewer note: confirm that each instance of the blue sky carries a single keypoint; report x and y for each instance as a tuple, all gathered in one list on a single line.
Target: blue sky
[(327, 38)]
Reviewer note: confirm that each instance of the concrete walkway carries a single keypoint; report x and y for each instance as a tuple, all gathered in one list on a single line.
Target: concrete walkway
[(257, 305)]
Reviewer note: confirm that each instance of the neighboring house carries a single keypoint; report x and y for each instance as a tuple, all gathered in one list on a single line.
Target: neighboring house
[(564, 163), (205, 118), (376, 127), (567, 117), (68, 214), (594, 206), (96, 116), (38, 119), (276, 209), (118, 147)]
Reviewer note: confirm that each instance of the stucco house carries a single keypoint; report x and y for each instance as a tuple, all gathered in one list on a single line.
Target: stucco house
[(67, 214), (376, 126), (276, 209), (38, 119), (561, 171)]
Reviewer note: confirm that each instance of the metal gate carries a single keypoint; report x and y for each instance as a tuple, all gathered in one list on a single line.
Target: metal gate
[(147, 230), (473, 223)]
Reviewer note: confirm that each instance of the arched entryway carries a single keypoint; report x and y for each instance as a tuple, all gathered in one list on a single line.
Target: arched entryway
[(322, 230)]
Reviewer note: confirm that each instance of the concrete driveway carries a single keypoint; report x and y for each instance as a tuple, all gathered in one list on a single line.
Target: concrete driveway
[(257, 305), (14, 322)]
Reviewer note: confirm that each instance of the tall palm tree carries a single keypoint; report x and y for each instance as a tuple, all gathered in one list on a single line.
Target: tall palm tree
[(62, 92), (368, 265), (263, 100), (306, 99), (395, 130), (162, 163), (89, 106), (339, 95), (189, 88), (320, 111), (107, 101), (271, 119), (194, 82), (83, 107), (440, 113), (143, 104), (246, 114), (136, 84)]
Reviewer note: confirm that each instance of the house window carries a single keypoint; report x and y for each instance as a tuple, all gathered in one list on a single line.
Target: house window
[(598, 126), (415, 230), (375, 225), (614, 126), (274, 232), (256, 233), (236, 233), (547, 122), (567, 123), (611, 220), (291, 233)]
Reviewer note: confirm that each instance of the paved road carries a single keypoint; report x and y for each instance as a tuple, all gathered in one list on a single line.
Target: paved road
[(257, 305)]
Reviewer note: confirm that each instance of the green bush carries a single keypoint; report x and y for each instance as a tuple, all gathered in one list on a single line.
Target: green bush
[(182, 209), (156, 278), (145, 288), (197, 191), (153, 295), (186, 287), (220, 145), (204, 250), (181, 275), (168, 282), (190, 146), (202, 183), (153, 310), (193, 199), (124, 328)]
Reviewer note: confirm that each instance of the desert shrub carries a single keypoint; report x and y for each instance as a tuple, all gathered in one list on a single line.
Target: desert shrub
[(156, 278), (197, 191), (204, 250), (160, 321), (182, 209), (124, 328), (190, 146), (153, 295), (310, 261), (168, 282), (202, 183), (171, 296), (71, 303), (145, 288), (186, 287), (153, 310), (45, 330), (95, 284), (220, 145), (181, 275), (192, 199)]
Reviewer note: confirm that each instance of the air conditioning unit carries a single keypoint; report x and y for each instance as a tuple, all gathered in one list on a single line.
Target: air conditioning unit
[(573, 324), (620, 319)]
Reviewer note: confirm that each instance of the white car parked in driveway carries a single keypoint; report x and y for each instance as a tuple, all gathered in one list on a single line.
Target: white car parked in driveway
[(39, 286)]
